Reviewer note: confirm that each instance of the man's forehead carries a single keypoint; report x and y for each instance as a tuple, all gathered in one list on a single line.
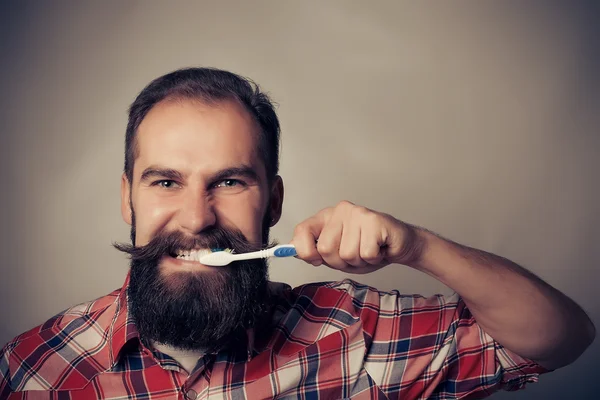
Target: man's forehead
[(178, 115), (187, 134)]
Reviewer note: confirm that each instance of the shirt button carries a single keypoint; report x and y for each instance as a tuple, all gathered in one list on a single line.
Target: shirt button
[(191, 394)]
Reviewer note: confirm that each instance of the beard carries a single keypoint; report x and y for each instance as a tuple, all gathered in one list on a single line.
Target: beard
[(195, 310)]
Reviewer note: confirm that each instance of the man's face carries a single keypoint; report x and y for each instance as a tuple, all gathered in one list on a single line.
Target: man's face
[(197, 167), (198, 182)]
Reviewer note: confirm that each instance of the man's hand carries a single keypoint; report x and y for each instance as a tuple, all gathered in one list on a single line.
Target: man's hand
[(356, 239)]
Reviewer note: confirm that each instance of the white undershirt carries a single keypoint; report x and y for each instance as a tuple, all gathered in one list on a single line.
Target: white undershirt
[(186, 358)]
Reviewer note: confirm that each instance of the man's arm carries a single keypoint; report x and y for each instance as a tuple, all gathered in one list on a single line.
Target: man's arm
[(513, 306)]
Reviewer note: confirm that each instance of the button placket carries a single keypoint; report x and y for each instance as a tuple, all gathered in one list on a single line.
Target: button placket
[(191, 394), (198, 379)]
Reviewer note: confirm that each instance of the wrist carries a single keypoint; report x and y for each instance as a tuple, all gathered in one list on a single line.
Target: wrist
[(423, 250), (414, 248)]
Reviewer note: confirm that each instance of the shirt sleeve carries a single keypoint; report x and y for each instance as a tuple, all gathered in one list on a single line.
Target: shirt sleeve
[(5, 388), (418, 347)]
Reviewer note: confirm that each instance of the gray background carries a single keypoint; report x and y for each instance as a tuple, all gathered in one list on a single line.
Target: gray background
[(477, 120)]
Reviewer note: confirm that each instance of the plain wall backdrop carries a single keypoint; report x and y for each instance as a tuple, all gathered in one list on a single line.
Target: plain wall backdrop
[(477, 120)]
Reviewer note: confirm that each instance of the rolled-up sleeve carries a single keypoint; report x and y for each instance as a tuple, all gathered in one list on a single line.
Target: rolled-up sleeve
[(432, 347)]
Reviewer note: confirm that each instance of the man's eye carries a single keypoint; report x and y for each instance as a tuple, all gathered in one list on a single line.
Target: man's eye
[(229, 183), (165, 183)]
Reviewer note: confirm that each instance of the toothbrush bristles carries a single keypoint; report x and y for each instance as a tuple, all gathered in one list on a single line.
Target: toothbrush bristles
[(217, 250)]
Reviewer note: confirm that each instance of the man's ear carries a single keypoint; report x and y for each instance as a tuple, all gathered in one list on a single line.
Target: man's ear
[(276, 203), (125, 199)]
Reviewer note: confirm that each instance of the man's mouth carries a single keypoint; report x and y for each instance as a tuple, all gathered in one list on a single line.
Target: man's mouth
[(190, 255)]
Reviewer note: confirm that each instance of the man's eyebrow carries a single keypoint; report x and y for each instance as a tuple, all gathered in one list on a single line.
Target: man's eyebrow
[(241, 171), (168, 173), (158, 172)]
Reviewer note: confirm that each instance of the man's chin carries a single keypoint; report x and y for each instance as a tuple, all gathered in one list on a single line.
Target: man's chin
[(190, 305)]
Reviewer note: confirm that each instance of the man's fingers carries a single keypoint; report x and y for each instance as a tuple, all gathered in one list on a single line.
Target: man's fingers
[(305, 241), (370, 250), (350, 244), (328, 244), (346, 237)]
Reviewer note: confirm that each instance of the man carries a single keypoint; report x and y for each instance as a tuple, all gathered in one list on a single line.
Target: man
[(201, 164)]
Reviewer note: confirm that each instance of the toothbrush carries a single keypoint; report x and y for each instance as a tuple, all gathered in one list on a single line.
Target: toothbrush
[(221, 258)]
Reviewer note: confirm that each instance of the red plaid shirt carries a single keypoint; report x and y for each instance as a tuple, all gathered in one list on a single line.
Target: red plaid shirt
[(326, 341)]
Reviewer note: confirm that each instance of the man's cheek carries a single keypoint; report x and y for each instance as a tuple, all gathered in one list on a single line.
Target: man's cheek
[(155, 210), (149, 221)]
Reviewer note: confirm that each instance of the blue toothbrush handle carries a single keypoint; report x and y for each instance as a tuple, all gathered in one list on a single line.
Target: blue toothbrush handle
[(285, 251)]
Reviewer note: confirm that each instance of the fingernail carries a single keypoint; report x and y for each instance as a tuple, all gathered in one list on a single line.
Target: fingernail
[(316, 263)]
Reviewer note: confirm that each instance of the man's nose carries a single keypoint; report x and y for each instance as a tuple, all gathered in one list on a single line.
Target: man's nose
[(197, 212)]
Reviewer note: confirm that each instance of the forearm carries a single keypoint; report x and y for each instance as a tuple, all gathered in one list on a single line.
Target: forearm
[(516, 308)]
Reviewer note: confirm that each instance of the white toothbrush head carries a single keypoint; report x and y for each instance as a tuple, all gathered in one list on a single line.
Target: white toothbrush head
[(218, 258)]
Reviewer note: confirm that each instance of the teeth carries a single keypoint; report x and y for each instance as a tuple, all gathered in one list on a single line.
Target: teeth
[(192, 255)]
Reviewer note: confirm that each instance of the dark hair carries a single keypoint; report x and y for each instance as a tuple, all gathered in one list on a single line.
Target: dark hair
[(209, 85)]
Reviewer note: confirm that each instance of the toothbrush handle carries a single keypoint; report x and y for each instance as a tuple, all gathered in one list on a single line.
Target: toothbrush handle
[(286, 250)]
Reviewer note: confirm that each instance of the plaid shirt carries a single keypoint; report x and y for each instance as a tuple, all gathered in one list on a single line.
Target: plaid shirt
[(326, 341)]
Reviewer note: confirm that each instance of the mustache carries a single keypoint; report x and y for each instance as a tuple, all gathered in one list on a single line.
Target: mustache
[(170, 242)]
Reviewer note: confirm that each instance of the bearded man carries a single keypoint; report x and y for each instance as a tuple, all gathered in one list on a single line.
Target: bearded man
[(201, 173)]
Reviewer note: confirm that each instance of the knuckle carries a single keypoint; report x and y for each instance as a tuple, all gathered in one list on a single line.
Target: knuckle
[(372, 218), (363, 212), (345, 204), (308, 254), (305, 250), (326, 211), (300, 229), (302, 251), (348, 255), (370, 254), (324, 247)]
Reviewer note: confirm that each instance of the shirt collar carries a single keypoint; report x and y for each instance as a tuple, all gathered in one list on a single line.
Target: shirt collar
[(122, 328)]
